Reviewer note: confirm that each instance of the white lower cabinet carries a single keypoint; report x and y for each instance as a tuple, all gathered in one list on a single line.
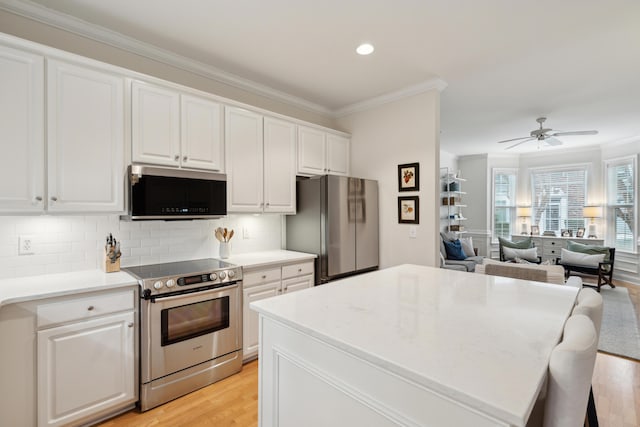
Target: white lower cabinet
[(265, 283), (86, 358)]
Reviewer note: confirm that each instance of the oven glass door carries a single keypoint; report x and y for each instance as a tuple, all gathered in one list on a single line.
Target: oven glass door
[(181, 331), (193, 320)]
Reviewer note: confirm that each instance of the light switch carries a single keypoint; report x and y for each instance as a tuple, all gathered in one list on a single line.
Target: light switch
[(413, 231)]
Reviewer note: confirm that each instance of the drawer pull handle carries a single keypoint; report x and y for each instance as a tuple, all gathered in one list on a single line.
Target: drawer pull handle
[(90, 308), (130, 324), (299, 270), (264, 276)]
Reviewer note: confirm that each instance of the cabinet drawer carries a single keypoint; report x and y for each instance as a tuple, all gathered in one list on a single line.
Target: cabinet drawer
[(86, 307), (259, 277), (299, 269)]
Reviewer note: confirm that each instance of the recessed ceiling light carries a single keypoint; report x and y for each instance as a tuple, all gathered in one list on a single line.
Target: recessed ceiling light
[(365, 49)]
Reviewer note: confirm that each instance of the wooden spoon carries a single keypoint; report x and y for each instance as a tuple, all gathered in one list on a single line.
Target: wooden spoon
[(230, 235)]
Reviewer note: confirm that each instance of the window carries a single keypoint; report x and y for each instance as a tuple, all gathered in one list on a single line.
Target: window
[(558, 196), (504, 202), (621, 190)]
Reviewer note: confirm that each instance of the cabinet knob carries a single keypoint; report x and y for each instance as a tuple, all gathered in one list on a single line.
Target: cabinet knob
[(553, 243), (38, 199), (176, 157), (90, 308), (328, 170), (285, 289), (184, 159), (130, 324), (299, 270), (264, 276), (54, 199), (267, 204)]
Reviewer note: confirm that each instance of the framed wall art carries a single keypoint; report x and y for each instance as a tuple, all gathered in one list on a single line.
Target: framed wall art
[(535, 230), (409, 177), (409, 210)]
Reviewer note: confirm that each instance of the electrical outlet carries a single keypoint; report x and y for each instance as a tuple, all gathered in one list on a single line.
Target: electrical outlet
[(245, 233), (25, 245)]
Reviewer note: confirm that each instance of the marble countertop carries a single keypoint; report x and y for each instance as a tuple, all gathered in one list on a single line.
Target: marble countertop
[(266, 258), (22, 289), (484, 341)]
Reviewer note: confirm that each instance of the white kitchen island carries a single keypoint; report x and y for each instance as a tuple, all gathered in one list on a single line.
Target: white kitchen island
[(408, 345)]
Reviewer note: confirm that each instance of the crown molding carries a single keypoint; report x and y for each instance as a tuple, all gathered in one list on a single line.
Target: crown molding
[(37, 12), (432, 84), (100, 34)]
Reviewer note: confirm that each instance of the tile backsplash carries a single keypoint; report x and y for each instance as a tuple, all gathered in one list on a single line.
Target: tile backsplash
[(72, 243)]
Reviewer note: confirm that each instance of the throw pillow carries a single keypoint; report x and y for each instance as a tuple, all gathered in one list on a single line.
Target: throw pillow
[(530, 254), (579, 258), (588, 249), (467, 246), (454, 250), (522, 261), (520, 244)]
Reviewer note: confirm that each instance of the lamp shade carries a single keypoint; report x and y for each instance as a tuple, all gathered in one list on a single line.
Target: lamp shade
[(523, 212), (592, 212)]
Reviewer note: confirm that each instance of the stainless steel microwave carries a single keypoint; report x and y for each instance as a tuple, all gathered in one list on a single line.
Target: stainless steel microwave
[(175, 194)]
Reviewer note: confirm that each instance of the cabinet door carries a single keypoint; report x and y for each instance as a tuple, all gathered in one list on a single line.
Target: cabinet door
[(297, 283), (279, 166), (201, 139), (21, 131), (244, 160), (311, 151), (85, 139), (155, 122), (84, 368), (337, 155), (250, 318)]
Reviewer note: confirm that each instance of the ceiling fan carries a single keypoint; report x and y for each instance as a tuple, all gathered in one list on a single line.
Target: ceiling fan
[(546, 135)]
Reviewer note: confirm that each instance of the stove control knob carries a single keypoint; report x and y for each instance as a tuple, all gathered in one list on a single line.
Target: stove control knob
[(231, 274), (158, 284), (213, 277), (222, 275), (171, 283)]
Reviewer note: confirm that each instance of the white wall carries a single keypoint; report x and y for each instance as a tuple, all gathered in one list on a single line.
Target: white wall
[(73, 243), (405, 131)]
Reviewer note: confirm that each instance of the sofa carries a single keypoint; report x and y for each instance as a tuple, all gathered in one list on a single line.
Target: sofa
[(468, 263), (533, 272)]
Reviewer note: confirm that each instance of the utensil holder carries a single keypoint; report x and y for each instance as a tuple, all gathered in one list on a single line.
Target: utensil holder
[(108, 266), (225, 249)]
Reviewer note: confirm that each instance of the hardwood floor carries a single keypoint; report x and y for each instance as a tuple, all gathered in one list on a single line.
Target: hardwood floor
[(234, 401)]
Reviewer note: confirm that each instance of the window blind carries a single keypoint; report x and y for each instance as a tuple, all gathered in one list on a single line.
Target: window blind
[(621, 202), (558, 198)]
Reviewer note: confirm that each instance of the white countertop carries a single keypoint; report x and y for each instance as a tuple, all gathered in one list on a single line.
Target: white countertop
[(480, 340), (22, 289), (266, 258)]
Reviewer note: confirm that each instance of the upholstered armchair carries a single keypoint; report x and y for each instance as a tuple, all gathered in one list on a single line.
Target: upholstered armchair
[(589, 259), (522, 249), (453, 253)]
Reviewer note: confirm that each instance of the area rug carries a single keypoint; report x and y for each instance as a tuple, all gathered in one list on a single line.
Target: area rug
[(619, 333)]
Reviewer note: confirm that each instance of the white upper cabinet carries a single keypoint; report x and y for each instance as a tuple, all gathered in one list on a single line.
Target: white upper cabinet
[(21, 131), (85, 139), (279, 166), (320, 152), (155, 125), (260, 162), (175, 129), (337, 155), (243, 139), (201, 134)]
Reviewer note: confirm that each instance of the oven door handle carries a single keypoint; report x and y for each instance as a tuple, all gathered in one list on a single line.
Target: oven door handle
[(174, 297)]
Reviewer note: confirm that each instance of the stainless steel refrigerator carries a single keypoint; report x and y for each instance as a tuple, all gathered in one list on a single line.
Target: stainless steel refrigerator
[(337, 219)]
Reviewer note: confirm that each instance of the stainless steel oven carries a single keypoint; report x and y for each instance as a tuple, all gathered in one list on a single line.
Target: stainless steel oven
[(191, 327)]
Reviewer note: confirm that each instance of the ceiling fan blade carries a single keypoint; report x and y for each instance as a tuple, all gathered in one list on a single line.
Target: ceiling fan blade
[(552, 141), (521, 142), (577, 132), (514, 139)]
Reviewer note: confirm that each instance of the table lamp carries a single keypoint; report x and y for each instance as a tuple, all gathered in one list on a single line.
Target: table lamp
[(592, 212), (523, 212)]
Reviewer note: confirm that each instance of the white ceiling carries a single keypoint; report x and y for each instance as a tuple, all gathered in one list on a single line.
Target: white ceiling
[(505, 62)]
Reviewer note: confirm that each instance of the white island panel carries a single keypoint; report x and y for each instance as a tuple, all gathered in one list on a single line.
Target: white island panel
[(481, 343)]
